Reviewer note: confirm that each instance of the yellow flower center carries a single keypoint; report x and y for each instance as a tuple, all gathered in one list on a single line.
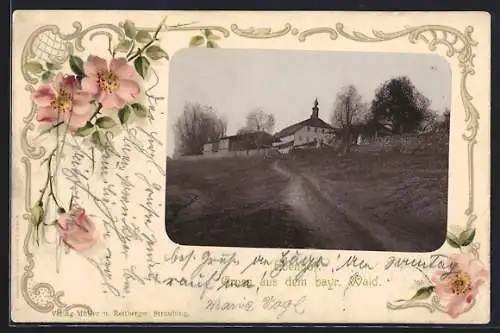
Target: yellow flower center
[(108, 82), (460, 282), (63, 102)]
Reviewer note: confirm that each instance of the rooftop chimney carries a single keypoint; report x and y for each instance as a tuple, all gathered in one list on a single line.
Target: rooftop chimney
[(315, 109)]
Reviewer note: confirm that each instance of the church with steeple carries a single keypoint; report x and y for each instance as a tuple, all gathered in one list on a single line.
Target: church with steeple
[(310, 133)]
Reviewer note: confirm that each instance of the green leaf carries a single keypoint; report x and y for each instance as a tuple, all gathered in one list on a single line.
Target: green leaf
[(96, 139), (51, 66), (141, 65), (423, 293), (34, 67), (124, 114), (76, 64), (143, 37), (124, 46), (210, 35), (130, 30), (85, 130), (140, 110), (452, 240), (155, 52), (467, 236), (37, 213), (105, 122), (212, 44), (196, 41), (47, 76)]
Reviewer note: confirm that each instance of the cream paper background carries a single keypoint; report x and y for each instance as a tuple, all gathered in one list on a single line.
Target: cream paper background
[(38, 291)]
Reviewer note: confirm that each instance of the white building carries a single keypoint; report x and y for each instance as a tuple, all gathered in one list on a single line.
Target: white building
[(309, 133)]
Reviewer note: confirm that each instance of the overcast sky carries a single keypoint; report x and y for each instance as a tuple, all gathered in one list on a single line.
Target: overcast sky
[(285, 83)]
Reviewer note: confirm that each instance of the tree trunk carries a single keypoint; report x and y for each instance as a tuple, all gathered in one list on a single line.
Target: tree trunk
[(345, 144)]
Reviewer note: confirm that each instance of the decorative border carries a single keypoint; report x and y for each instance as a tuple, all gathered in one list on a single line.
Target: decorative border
[(43, 297)]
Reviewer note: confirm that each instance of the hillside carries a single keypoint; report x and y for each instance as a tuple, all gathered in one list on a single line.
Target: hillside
[(311, 199)]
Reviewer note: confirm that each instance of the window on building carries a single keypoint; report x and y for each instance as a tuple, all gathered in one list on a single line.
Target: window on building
[(316, 130)]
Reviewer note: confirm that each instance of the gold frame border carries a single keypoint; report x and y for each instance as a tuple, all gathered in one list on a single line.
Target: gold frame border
[(43, 297)]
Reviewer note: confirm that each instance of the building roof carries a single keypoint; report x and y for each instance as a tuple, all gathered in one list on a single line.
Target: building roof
[(246, 137), (312, 122)]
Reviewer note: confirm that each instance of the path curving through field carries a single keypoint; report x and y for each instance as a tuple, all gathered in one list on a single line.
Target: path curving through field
[(318, 204)]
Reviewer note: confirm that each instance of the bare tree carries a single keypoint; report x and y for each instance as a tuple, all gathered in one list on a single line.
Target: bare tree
[(258, 121), (196, 126), (349, 110), (259, 125)]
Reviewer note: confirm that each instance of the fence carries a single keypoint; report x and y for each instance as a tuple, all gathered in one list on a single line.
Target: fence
[(224, 154), (432, 142)]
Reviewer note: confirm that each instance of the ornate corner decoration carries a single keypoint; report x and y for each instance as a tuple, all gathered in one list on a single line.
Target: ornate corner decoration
[(49, 44), (457, 43)]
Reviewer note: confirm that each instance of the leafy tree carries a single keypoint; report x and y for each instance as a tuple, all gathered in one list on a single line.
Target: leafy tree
[(430, 121), (398, 106), (446, 120)]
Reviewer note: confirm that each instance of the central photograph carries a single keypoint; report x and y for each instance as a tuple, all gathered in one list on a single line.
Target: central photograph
[(308, 149)]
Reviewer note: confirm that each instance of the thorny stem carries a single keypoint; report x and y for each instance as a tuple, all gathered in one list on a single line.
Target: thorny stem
[(57, 125), (148, 44), (50, 129), (51, 155), (96, 112), (148, 95), (426, 277), (131, 49), (61, 150), (111, 52), (51, 185)]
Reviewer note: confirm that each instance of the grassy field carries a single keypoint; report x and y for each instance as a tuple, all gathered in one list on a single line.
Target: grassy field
[(241, 201), (234, 202)]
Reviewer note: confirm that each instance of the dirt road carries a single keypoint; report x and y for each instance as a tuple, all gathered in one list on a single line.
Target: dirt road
[(320, 204), (391, 201)]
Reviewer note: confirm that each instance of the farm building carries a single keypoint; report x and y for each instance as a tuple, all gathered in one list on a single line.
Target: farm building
[(241, 142), (310, 133)]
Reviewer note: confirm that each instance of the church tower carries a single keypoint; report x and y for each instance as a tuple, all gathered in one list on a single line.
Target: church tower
[(315, 109)]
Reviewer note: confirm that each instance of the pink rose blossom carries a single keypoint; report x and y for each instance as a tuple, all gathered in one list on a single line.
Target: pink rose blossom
[(458, 288), (63, 101), (112, 86), (77, 230)]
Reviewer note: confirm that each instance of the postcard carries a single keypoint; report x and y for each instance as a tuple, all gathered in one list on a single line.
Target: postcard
[(250, 167)]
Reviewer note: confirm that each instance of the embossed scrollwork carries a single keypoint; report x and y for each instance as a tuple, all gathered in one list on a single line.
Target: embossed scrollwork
[(98, 29), (260, 33), (35, 152), (323, 30), (433, 35), (46, 44), (432, 306), (40, 296)]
